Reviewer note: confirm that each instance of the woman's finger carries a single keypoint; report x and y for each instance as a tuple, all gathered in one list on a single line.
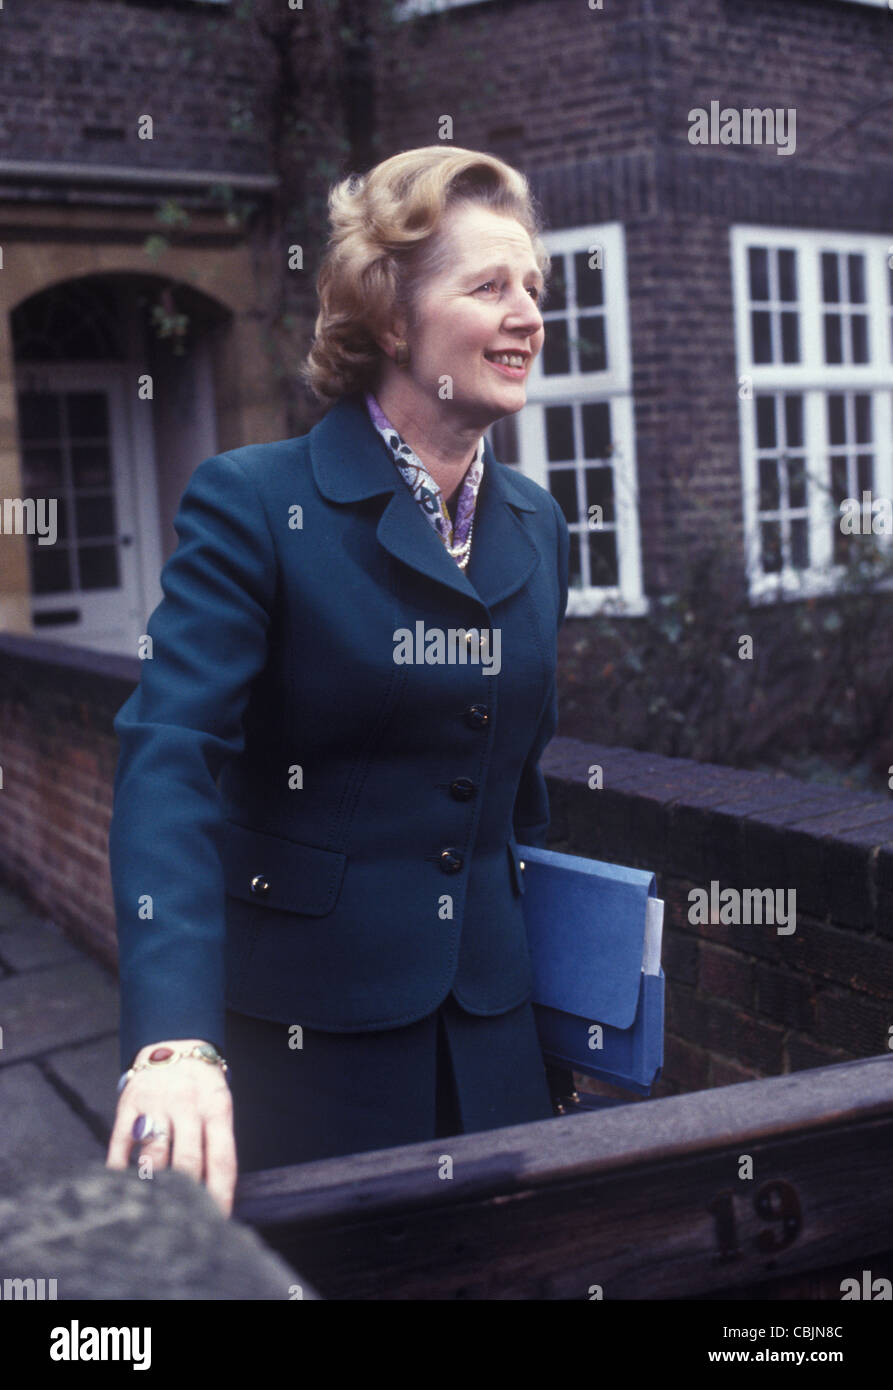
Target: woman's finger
[(118, 1154), (121, 1141), (221, 1167), (187, 1151), (157, 1146)]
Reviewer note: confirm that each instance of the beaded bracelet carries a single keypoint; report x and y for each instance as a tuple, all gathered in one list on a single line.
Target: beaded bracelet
[(164, 1056)]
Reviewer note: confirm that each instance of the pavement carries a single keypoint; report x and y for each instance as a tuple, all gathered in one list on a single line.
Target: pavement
[(58, 1050)]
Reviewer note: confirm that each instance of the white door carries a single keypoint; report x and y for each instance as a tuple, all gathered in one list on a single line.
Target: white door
[(79, 445)]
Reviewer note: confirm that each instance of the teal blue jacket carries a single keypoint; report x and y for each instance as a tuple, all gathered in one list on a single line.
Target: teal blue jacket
[(305, 828)]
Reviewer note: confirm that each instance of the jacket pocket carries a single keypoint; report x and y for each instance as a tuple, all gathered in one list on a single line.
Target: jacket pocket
[(282, 874), (515, 861)]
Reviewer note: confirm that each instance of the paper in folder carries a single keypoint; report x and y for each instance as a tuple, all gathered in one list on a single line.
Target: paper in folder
[(594, 932)]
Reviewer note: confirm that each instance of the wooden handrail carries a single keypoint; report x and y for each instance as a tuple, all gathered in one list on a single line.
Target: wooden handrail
[(642, 1200)]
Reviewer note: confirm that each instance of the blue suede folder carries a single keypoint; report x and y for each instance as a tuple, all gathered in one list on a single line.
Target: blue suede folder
[(586, 929)]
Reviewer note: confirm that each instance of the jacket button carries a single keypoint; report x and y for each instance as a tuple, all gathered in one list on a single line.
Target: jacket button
[(463, 788), (259, 885), (450, 861), (477, 716)]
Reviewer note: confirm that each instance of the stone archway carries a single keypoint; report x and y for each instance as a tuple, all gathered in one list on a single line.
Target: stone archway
[(76, 324)]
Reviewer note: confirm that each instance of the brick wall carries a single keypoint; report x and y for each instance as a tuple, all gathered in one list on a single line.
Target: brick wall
[(562, 83), (548, 81), (76, 77), (531, 81), (58, 754), (743, 1002)]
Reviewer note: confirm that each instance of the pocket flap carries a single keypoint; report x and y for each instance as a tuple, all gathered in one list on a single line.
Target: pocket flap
[(282, 874)]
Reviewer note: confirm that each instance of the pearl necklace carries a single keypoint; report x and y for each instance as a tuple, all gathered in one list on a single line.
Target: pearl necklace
[(462, 552)]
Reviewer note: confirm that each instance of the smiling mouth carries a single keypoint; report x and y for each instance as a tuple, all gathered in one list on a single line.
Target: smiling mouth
[(515, 360)]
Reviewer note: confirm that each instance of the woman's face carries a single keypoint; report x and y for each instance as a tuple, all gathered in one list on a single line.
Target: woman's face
[(481, 306)]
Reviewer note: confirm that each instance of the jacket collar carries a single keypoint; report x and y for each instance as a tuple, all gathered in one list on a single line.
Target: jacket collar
[(351, 463)]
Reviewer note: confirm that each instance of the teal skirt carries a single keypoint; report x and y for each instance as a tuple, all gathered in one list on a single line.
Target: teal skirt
[(338, 1093)]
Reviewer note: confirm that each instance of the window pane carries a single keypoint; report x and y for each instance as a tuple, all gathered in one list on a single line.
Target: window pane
[(766, 422), (88, 414), (758, 266), (796, 482), (41, 469), (38, 415), (563, 486), (556, 349), (840, 487), (600, 491), (787, 275), (761, 336), (596, 430), (793, 421), (833, 339), (863, 418), (769, 493), (857, 278), (556, 297), (50, 569), (98, 566), (865, 472), (859, 326), (90, 465), (770, 535), (790, 336), (590, 282), (95, 516), (560, 432), (799, 543), (603, 558), (830, 278), (591, 343), (836, 419)]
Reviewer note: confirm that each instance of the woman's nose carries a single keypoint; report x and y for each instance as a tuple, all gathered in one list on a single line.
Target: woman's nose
[(524, 313)]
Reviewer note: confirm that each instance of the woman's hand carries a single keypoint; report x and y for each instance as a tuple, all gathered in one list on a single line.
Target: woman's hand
[(191, 1101)]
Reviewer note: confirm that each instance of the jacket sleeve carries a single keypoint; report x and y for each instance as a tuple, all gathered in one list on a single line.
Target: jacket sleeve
[(184, 719), (531, 814)]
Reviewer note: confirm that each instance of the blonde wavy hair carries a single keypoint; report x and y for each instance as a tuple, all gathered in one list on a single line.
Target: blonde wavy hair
[(384, 243)]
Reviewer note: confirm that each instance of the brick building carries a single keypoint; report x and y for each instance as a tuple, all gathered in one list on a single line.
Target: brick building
[(110, 112), (722, 262), (719, 332)]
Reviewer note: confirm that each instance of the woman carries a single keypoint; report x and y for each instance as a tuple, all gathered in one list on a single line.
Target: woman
[(333, 751)]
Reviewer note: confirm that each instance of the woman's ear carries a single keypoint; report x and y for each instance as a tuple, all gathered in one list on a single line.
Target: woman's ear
[(391, 335)]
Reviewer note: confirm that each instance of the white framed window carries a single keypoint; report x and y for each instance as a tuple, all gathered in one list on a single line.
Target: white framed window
[(575, 436), (814, 344)]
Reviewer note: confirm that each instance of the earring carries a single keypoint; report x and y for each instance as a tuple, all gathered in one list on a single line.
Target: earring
[(401, 352)]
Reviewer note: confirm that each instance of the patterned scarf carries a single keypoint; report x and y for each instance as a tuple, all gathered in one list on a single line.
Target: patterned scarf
[(423, 487)]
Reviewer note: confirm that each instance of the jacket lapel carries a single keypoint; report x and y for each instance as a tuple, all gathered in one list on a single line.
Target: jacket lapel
[(351, 463)]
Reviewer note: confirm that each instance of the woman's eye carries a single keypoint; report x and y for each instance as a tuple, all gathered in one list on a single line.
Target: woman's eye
[(533, 290)]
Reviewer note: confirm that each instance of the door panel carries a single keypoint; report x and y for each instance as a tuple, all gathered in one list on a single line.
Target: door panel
[(75, 450)]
